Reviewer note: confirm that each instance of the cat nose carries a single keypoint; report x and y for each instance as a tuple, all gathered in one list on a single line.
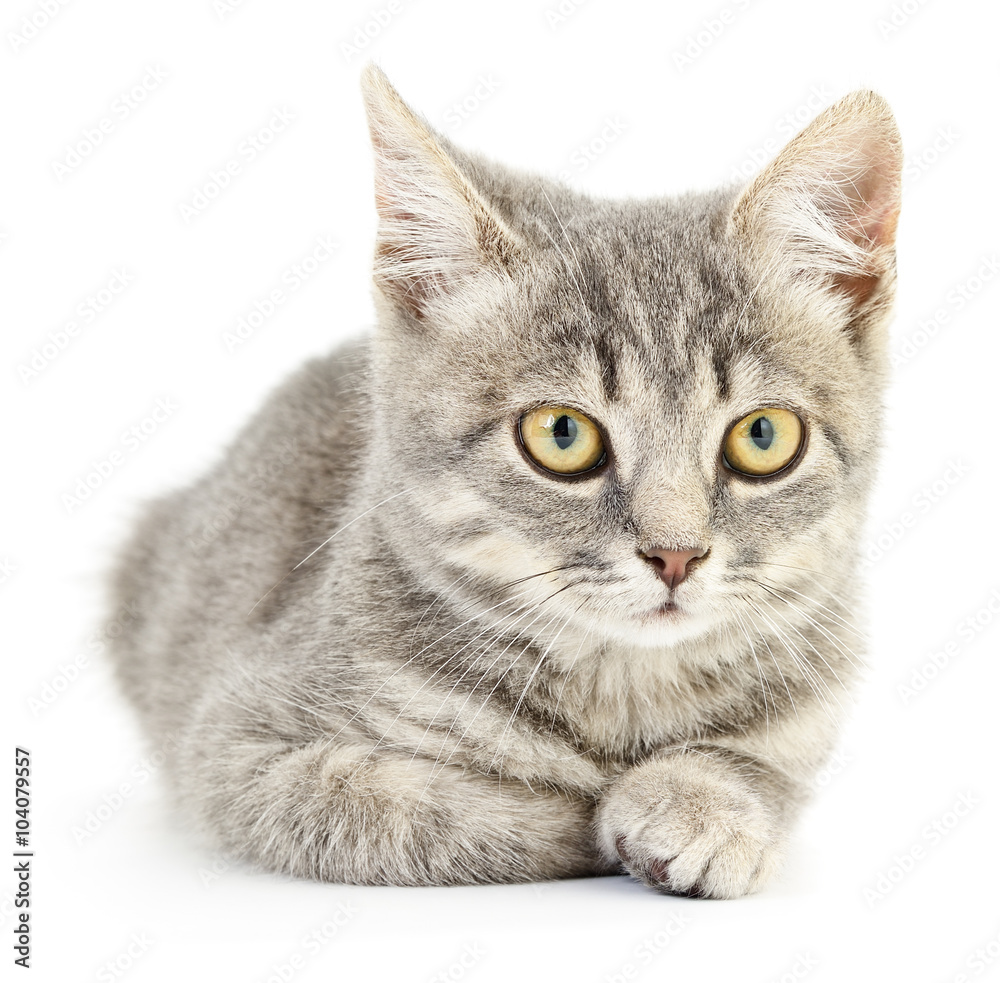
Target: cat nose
[(672, 566)]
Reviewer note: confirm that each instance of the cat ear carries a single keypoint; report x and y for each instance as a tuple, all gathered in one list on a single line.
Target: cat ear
[(823, 212), (435, 230)]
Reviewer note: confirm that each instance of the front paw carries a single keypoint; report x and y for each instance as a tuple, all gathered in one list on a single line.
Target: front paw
[(690, 824)]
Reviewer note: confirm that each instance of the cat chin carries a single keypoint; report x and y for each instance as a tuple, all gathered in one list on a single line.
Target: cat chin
[(660, 629)]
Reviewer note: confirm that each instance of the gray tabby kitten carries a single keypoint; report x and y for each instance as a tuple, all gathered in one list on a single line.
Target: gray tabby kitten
[(556, 574)]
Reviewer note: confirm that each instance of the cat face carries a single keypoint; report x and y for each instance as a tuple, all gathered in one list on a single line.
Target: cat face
[(639, 422)]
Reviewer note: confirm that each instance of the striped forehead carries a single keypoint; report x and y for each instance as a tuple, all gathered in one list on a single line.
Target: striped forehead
[(652, 332)]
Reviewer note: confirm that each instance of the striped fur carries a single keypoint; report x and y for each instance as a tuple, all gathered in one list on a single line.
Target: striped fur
[(415, 659)]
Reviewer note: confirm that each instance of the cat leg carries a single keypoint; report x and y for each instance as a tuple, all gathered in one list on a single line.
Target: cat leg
[(708, 820), (350, 814)]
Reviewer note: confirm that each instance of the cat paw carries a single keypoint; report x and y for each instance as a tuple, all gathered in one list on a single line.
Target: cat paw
[(690, 827)]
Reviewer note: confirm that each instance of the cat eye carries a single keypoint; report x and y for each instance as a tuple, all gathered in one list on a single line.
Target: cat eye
[(561, 440), (764, 442)]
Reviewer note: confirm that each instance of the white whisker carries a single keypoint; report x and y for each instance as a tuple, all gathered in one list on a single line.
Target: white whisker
[(326, 541)]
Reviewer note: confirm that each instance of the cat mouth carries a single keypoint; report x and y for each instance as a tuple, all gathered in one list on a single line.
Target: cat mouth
[(669, 610)]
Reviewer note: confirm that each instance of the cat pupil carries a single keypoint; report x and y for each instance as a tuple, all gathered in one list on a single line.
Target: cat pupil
[(564, 432), (762, 432)]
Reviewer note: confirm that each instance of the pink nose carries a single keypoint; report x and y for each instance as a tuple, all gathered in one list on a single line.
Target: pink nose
[(672, 566)]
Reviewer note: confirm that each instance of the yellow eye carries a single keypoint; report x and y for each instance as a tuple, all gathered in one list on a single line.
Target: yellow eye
[(764, 442), (561, 440)]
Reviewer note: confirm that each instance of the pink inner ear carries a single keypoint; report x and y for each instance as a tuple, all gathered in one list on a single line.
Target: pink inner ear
[(874, 203), (872, 225), (826, 208), (857, 288), (880, 228), (415, 250)]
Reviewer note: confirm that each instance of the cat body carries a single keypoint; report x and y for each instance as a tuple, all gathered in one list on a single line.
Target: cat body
[(414, 649)]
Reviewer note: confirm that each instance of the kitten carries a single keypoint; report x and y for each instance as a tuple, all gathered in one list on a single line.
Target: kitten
[(556, 574)]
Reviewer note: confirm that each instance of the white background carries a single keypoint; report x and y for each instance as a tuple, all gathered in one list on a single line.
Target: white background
[(552, 84)]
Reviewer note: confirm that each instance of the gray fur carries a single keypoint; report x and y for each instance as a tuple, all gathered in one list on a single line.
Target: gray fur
[(406, 656)]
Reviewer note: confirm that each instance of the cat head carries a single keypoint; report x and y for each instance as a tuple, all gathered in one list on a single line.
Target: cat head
[(630, 419)]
